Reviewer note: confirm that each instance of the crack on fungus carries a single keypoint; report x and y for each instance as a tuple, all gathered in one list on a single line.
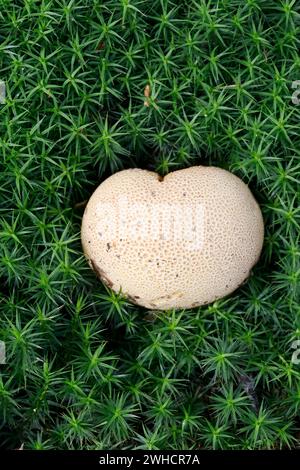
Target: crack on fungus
[(101, 274)]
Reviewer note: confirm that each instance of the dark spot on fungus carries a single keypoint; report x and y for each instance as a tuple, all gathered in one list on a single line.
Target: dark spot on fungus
[(160, 177), (184, 194), (108, 246), (118, 256), (177, 275), (133, 299)]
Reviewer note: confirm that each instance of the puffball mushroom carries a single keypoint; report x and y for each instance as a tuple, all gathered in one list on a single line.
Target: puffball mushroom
[(177, 241)]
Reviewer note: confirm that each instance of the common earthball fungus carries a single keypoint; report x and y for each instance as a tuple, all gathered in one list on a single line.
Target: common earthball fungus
[(175, 242)]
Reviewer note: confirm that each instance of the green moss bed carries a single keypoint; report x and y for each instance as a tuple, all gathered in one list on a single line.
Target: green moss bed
[(84, 368)]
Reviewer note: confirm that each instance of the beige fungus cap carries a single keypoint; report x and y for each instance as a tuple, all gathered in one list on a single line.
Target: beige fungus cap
[(175, 242)]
